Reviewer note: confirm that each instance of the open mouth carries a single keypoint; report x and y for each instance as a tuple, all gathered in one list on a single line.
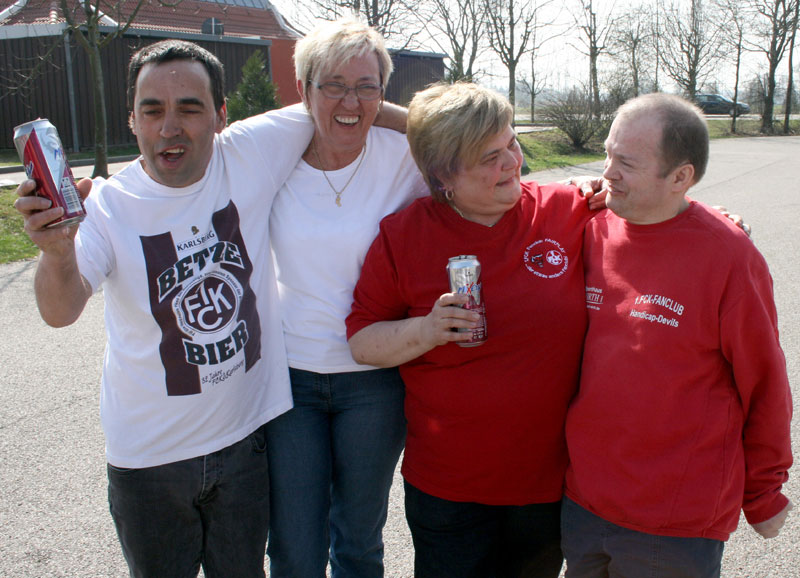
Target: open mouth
[(172, 154), (346, 120)]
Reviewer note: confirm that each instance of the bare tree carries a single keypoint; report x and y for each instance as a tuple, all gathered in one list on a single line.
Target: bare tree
[(572, 114), (23, 74), (773, 26), (394, 19), (787, 113), (656, 38), (691, 47), (538, 82), (595, 39), (534, 86), (510, 25), (632, 44), (85, 19), (457, 28), (733, 27)]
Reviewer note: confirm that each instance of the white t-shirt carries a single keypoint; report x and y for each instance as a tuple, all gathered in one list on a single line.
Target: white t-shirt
[(195, 359), (319, 247)]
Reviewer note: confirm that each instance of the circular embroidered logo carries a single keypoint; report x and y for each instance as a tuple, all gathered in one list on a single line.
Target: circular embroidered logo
[(546, 258)]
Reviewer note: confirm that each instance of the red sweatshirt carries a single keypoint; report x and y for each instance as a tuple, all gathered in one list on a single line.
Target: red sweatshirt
[(486, 423), (684, 408)]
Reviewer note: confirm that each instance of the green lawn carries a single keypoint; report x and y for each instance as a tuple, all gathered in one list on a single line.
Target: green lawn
[(551, 149), (749, 126), (14, 243)]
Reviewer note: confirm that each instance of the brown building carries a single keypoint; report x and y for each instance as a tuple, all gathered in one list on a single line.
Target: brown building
[(44, 72)]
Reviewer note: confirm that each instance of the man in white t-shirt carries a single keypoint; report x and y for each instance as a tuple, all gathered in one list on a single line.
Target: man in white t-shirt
[(195, 363)]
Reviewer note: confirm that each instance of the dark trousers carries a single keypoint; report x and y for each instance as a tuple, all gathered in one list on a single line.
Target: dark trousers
[(596, 548), (211, 510), (469, 540)]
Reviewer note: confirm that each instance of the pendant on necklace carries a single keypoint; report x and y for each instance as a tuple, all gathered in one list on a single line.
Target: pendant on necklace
[(338, 193)]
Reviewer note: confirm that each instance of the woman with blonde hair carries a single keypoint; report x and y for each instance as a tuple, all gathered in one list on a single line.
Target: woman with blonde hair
[(332, 457)]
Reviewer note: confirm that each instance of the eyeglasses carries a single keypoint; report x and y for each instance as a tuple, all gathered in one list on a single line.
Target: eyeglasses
[(339, 91)]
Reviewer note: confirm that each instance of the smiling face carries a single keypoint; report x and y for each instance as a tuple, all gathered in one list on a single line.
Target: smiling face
[(342, 124), (639, 189), (484, 192), (175, 121)]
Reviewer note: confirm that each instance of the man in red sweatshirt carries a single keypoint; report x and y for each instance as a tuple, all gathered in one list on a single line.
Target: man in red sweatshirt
[(684, 409)]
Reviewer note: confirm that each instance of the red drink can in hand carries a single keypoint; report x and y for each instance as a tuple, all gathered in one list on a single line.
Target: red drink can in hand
[(465, 272), (43, 157)]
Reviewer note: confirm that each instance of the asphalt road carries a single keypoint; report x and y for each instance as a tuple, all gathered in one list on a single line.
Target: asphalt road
[(54, 519)]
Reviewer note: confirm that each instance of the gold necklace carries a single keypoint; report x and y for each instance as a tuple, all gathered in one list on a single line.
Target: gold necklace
[(324, 174)]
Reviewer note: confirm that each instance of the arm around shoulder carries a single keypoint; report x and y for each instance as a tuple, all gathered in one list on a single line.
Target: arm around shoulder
[(392, 116)]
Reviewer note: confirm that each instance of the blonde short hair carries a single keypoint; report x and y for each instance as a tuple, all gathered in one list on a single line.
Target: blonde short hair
[(334, 43), (449, 126)]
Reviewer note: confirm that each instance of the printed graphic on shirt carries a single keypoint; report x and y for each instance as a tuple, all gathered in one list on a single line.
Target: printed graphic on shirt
[(201, 298), (546, 258), (594, 298), (652, 314)]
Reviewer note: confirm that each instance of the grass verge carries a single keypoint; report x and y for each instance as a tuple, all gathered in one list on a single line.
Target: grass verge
[(14, 243), (549, 149), (720, 127)]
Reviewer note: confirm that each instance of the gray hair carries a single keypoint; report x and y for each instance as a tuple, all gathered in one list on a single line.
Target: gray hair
[(334, 43)]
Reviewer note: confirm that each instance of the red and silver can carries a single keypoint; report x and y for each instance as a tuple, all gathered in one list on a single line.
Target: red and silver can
[(43, 157), (465, 272)]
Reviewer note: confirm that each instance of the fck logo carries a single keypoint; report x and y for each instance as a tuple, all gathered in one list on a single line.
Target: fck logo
[(209, 304)]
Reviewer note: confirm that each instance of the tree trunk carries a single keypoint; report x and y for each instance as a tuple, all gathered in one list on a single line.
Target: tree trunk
[(100, 118), (533, 89), (769, 100), (595, 83), (787, 113), (736, 88), (512, 85)]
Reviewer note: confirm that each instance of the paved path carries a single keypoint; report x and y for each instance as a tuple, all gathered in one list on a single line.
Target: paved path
[(54, 519)]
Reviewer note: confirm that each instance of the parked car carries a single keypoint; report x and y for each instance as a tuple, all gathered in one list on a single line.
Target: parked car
[(718, 104)]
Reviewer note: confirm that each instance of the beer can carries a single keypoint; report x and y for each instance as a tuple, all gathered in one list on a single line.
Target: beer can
[(465, 272), (43, 157)]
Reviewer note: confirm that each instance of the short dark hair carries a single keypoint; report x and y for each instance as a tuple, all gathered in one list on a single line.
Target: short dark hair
[(168, 50), (684, 133)]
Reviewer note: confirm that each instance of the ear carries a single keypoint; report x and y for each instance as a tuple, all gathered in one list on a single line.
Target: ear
[(132, 122), (683, 177), (222, 117), (446, 183), (301, 90)]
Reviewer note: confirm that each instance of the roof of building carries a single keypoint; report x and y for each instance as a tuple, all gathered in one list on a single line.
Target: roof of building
[(241, 18)]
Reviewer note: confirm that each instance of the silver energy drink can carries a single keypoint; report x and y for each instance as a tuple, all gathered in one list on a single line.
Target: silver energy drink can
[(465, 272), (43, 157)]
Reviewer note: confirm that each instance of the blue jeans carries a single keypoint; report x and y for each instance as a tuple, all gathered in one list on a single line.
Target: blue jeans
[(332, 458), (210, 511), (595, 548), (470, 540)]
